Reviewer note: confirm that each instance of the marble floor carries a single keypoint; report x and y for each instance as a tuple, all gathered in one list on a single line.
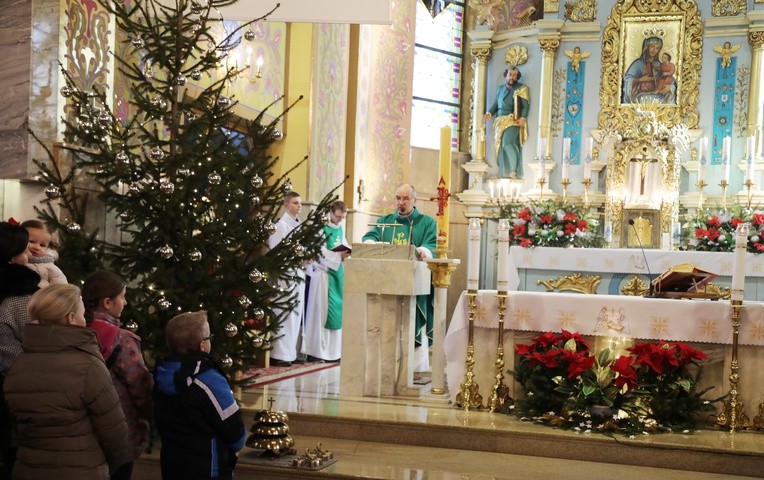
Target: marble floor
[(315, 398)]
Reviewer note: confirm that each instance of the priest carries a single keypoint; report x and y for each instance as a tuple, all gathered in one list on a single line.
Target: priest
[(411, 227)]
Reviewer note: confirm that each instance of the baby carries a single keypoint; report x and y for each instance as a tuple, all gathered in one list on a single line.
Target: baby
[(41, 257)]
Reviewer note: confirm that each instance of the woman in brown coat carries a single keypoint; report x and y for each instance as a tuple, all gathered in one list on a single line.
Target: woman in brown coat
[(68, 418)]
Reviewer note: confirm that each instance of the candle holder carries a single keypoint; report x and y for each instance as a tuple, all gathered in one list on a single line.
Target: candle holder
[(724, 184), (748, 184), (565, 182), (468, 396), (733, 415), (701, 185), (500, 391), (541, 181), (587, 182)]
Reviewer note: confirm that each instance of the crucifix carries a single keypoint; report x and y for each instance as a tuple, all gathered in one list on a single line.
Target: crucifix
[(643, 162)]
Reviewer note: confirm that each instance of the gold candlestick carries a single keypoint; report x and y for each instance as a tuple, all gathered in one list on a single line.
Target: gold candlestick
[(541, 181), (468, 396), (587, 183), (733, 414), (724, 186), (701, 185), (565, 182), (748, 184), (500, 391)]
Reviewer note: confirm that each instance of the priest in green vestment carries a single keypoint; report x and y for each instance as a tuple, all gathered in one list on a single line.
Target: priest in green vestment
[(415, 229)]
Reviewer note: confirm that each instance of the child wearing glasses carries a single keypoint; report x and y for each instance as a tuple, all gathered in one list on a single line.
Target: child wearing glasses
[(199, 422)]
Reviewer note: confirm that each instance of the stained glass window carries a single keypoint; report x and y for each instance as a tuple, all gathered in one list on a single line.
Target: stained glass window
[(438, 64)]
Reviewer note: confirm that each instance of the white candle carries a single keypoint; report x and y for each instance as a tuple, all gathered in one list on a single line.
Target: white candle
[(726, 158), (566, 158), (702, 161), (502, 266), (751, 146), (588, 158), (490, 187), (541, 148), (738, 269), (473, 254)]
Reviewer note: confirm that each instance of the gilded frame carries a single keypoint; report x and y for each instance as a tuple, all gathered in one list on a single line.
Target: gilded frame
[(622, 37)]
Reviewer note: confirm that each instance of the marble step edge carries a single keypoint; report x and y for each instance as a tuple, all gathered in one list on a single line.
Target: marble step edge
[(655, 451)]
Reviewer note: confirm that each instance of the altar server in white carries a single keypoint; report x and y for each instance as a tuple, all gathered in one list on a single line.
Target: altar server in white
[(323, 322), (284, 349)]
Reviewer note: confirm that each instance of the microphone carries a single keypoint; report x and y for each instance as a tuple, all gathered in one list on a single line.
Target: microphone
[(644, 255)]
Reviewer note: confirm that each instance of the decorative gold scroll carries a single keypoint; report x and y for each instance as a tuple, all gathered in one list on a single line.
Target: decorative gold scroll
[(572, 283)]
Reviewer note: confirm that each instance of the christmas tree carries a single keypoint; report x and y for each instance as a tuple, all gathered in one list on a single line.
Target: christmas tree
[(190, 183)]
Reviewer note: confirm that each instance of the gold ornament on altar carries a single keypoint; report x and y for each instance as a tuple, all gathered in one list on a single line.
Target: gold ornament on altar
[(641, 234), (270, 433), (484, 11), (726, 50), (516, 55)]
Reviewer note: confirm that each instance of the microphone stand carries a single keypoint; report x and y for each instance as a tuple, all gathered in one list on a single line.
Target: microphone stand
[(650, 287)]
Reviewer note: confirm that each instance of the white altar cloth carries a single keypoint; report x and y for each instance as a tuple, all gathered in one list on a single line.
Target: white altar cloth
[(597, 315), (623, 260)]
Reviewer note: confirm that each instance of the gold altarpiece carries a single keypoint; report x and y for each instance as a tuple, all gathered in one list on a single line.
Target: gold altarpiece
[(647, 131)]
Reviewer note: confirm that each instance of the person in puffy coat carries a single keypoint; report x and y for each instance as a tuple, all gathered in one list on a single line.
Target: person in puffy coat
[(103, 294), (199, 422), (69, 423)]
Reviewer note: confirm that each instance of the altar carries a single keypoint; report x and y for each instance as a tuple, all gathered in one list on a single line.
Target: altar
[(531, 268), (706, 324)]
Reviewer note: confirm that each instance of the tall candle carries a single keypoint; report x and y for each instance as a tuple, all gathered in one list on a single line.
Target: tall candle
[(444, 182), (702, 161), (502, 266), (749, 158), (566, 158), (588, 158), (738, 269), (490, 187), (473, 254), (541, 148), (726, 158)]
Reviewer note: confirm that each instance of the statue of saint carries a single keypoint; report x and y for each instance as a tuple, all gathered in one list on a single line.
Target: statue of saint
[(512, 104)]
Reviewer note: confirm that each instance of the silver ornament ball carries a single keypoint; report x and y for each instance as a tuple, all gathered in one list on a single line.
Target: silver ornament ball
[(270, 228), (52, 191), (67, 91), (249, 35), (132, 326), (195, 255), (223, 101), (277, 135), (124, 216), (122, 157), (138, 42), (156, 153), (244, 301), (258, 313), (287, 187), (196, 75), (257, 341), (73, 228), (256, 276), (299, 250), (226, 362), (165, 251), (257, 181), (134, 188), (164, 304), (230, 330), (214, 178), (167, 187)]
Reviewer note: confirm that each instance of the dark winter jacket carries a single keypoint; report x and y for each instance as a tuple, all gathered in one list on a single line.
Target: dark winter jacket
[(198, 419), (17, 284), (134, 383), (68, 419)]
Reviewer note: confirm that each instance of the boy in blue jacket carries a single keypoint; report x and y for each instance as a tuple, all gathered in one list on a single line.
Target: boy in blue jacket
[(198, 419)]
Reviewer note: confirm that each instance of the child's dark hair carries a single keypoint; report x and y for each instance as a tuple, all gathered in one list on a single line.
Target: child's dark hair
[(97, 286), (14, 240), (34, 224)]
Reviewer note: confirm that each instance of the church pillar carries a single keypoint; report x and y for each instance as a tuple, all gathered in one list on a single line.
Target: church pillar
[(755, 99), (474, 197), (549, 45)]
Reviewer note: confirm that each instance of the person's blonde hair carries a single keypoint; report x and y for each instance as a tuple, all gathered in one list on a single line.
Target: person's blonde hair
[(185, 332), (50, 305)]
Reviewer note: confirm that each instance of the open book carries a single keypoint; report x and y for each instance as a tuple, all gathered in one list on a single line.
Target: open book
[(684, 278), (342, 248)]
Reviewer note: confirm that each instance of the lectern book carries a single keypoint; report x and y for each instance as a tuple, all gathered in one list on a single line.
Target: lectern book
[(384, 250), (342, 248), (683, 280)]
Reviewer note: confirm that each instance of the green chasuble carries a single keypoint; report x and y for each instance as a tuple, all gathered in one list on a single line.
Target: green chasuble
[(421, 230), (334, 238)]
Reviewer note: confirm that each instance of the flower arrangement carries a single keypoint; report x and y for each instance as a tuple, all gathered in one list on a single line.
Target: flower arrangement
[(550, 223), (713, 230), (652, 388)]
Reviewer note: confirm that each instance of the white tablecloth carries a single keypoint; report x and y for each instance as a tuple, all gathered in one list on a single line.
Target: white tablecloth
[(598, 315), (622, 260)]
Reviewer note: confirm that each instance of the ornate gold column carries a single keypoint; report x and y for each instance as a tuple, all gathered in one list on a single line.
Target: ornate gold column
[(549, 45), (755, 108), (482, 54)]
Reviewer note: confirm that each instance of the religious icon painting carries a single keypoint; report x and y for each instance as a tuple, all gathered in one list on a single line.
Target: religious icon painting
[(651, 59)]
